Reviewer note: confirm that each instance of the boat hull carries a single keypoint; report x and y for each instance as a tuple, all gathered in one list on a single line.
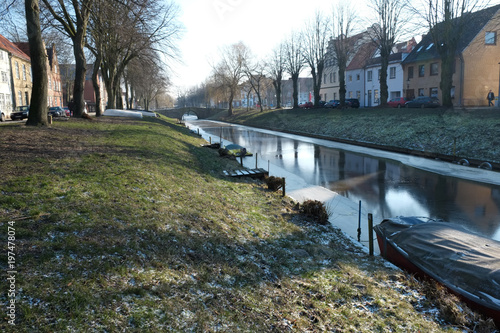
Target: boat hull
[(465, 263)]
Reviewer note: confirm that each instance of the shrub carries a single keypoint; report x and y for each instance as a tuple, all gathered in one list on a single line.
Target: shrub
[(315, 209), (274, 183)]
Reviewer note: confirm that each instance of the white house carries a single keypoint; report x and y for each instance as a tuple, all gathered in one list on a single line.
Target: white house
[(5, 83), (395, 74)]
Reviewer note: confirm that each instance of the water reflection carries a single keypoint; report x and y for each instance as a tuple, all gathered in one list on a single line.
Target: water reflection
[(386, 188)]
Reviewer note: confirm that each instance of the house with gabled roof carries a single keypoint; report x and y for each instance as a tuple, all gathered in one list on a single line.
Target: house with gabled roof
[(477, 67), (54, 88), (5, 80), (330, 86), (20, 73), (395, 74), (356, 73)]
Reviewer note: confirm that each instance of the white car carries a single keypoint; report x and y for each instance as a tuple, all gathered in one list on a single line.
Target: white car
[(4, 114)]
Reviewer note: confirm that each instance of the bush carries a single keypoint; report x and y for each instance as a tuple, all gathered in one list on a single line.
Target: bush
[(315, 209), (274, 183)]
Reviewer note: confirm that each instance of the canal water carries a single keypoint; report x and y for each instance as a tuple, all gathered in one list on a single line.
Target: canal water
[(386, 184)]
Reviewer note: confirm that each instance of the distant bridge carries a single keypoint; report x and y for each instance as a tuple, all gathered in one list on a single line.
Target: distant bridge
[(201, 113)]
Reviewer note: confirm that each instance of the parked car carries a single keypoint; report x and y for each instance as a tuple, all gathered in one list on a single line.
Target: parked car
[(423, 102), (397, 102), (4, 114), (56, 111), (352, 102), (332, 104), (21, 113), (67, 111), (306, 105)]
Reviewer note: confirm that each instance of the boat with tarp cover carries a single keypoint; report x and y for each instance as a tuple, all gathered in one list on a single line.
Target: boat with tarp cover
[(464, 262)]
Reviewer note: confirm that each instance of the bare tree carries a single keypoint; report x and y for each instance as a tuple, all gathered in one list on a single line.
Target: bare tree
[(73, 20), (343, 45), (122, 31), (446, 20), (275, 69), (391, 19), (294, 63), (147, 80), (12, 16), (316, 36), (257, 79), (229, 72), (38, 105)]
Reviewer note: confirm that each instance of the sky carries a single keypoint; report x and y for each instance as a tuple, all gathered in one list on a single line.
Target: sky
[(212, 24)]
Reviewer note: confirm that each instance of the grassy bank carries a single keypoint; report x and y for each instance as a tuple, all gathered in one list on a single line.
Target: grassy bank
[(125, 225), (471, 134)]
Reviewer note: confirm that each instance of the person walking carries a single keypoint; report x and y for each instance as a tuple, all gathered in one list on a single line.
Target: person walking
[(491, 97)]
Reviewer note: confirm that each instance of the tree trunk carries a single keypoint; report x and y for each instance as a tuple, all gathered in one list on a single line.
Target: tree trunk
[(80, 71), (317, 84), (38, 105), (384, 89), (97, 89), (342, 89), (446, 83), (277, 88), (295, 93), (230, 106)]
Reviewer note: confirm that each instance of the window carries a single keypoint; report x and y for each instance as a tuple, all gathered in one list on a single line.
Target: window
[(369, 76), (379, 71), (26, 98), (421, 70), (490, 38), (50, 83), (410, 72), (350, 94), (375, 95), (24, 72), (17, 70), (334, 77), (392, 72), (420, 91), (20, 96), (358, 94), (4, 77), (324, 79), (358, 77), (434, 68), (433, 92), (350, 78), (331, 77)]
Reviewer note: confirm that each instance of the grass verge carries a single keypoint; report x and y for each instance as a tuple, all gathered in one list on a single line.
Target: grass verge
[(124, 225)]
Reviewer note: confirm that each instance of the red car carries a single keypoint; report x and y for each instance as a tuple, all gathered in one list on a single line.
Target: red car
[(306, 105), (397, 102)]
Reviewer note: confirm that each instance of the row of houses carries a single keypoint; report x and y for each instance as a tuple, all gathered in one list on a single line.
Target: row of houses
[(414, 69), (16, 80)]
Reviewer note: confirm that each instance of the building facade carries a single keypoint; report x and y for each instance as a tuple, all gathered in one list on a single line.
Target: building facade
[(6, 105), (476, 66)]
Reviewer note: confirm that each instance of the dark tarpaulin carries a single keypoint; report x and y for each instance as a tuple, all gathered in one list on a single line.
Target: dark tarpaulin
[(465, 262)]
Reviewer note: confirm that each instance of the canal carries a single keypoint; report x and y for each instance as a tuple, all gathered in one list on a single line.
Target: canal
[(386, 184)]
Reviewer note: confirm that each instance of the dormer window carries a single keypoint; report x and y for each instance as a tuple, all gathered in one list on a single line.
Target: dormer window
[(490, 38)]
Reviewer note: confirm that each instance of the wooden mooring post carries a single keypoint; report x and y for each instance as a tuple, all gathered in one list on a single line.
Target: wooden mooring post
[(283, 186), (370, 233)]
